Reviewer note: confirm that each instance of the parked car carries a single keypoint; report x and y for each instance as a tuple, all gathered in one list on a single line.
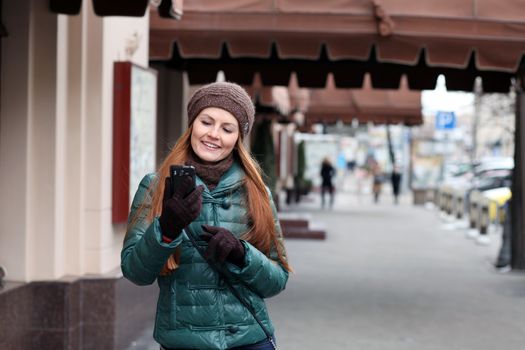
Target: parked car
[(487, 174), (489, 164), (489, 180)]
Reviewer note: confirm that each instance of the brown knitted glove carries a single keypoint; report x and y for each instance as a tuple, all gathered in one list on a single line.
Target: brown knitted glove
[(179, 211), (223, 245)]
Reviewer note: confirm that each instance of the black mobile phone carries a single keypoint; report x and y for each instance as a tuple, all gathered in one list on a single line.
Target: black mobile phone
[(177, 173)]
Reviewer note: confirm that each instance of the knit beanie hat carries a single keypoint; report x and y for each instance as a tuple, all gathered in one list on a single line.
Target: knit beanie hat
[(228, 96)]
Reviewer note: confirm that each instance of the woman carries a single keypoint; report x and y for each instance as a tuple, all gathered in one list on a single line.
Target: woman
[(395, 179), (327, 173), (377, 178), (231, 215)]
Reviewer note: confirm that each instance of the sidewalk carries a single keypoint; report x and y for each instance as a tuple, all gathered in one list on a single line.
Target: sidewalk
[(395, 277), (392, 277)]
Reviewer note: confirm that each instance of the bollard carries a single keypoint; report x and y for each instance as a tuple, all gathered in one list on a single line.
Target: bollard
[(436, 197), (450, 202), (447, 202), (505, 252), (441, 200), (461, 208), (484, 219), (473, 210), (501, 214), (459, 205)]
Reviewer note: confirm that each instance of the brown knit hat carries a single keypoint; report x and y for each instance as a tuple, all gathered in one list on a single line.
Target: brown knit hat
[(228, 96)]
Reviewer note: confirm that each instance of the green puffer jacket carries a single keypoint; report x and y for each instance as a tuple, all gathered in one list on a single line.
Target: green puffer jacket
[(195, 309)]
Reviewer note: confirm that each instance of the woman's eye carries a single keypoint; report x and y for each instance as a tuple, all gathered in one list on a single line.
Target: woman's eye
[(205, 122), (228, 131)]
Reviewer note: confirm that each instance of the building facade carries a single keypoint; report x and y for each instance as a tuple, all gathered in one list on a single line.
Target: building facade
[(60, 250)]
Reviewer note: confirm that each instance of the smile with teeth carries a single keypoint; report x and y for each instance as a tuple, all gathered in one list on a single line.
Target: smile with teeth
[(210, 145)]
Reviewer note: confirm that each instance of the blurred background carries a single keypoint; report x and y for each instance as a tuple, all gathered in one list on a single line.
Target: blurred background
[(417, 107)]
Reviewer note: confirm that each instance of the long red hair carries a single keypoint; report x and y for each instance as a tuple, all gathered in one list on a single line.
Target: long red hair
[(262, 233)]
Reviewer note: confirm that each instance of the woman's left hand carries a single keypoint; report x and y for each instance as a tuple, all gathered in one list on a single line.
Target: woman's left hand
[(223, 245)]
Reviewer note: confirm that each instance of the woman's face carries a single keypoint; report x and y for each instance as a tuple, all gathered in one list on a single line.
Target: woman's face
[(214, 135)]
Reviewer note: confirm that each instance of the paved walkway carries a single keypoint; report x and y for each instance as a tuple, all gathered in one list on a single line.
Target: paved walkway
[(393, 277)]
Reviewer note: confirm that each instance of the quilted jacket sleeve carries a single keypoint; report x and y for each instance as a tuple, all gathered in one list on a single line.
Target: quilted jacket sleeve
[(265, 276), (144, 253)]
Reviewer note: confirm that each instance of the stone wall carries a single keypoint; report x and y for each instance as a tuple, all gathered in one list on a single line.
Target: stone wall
[(98, 313)]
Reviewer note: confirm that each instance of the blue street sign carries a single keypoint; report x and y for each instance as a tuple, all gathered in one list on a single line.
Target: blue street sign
[(445, 120)]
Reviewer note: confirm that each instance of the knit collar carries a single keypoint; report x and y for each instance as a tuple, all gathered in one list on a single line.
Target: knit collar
[(210, 173)]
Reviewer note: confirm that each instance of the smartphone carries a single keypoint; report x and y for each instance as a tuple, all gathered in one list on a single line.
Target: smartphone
[(177, 173)]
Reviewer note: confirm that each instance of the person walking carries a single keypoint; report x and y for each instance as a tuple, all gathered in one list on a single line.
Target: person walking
[(377, 178), (216, 252), (395, 179), (327, 186)]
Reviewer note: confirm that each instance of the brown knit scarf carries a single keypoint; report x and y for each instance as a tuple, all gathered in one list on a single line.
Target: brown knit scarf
[(210, 173)]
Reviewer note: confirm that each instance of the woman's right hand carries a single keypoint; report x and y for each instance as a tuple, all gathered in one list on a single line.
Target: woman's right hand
[(178, 209)]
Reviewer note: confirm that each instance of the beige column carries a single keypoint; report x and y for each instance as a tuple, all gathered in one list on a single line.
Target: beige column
[(108, 40), (28, 246), (14, 134), (71, 105), (56, 124), (92, 243)]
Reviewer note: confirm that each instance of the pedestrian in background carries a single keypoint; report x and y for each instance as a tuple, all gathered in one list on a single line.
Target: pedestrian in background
[(225, 232), (395, 179), (377, 178), (327, 186)]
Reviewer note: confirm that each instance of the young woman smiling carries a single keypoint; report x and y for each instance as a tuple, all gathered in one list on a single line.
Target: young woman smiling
[(232, 211)]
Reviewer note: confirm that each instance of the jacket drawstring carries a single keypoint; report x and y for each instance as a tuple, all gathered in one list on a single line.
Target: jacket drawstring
[(215, 203)]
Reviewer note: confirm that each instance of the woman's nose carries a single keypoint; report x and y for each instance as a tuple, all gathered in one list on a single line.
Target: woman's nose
[(214, 132)]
